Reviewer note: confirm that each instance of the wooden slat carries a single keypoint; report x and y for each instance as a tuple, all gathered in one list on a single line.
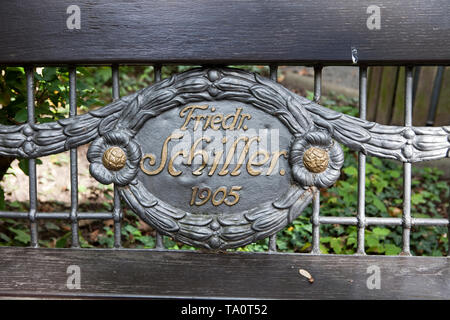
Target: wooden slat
[(399, 106), (375, 75), (382, 89), (423, 96), (149, 273), (443, 109), (387, 93), (224, 31)]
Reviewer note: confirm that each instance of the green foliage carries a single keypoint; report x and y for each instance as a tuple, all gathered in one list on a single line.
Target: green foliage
[(13, 233), (51, 99), (51, 93)]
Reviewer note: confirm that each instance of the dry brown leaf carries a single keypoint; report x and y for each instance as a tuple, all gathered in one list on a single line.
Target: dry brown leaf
[(306, 274)]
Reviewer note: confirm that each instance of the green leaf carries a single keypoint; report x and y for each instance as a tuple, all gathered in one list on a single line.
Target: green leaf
[(336, 245), (323, 249), (133, 230), (282, 244), (49, 73), (147, 241), (51, 226), (2, 199), (350, 171), (379, 204), (305, 247), (392, 249), (325, 239), (381, 232), (21, 115), (332, 200), (394, 173), (5, 237), (25, 163), (83, 242), (106, 241), (376, 162), (63, 241), (351, 241), (372, 241), (417, 198), (21, 235), (14, 204)]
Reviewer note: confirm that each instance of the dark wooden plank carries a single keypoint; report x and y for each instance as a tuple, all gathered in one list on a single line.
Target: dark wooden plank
[(147, 273), (224, 31)]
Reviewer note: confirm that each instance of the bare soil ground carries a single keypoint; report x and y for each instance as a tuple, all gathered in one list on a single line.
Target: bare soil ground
[(54, 181)]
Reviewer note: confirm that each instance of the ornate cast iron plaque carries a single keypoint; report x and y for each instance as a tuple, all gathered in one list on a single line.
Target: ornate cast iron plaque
[(219, 158)]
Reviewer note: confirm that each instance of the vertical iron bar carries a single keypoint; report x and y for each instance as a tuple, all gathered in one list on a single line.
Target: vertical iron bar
[(274, 73), (32, 162), (73, 160), (315, 219), (157, 72), (406, 216), (317, 83), (115, 82), (117, 211), (273, 238), (159, 238), (362, 163)]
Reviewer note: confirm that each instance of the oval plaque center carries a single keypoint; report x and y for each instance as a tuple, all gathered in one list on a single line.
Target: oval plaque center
[(214, 157)]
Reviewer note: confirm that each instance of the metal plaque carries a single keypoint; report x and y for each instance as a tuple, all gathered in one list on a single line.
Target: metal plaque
[(216, 158)]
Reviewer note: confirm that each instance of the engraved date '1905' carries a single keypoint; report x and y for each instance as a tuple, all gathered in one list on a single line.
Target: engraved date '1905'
[(219, 196)]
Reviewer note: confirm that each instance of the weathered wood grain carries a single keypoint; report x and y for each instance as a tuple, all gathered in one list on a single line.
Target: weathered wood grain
[(375, 75), (224, 31), (148, 273), (383, 89), (387, 95)]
